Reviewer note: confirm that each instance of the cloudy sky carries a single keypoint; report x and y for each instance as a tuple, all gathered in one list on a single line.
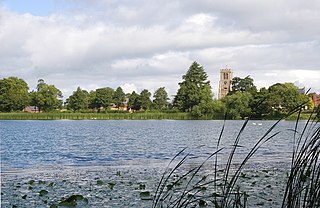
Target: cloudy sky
[(139, 44)]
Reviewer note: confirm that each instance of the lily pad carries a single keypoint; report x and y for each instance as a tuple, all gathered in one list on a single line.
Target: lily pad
[(72, 200), (43, 192), (145, 195), (111, 185), (99, 182)]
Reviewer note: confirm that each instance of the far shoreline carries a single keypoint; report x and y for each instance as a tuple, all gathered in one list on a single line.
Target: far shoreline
[(131, 116)]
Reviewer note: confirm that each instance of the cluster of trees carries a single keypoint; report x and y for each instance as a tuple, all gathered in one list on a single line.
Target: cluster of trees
[(194, 96), (103, 98), (15, 95)]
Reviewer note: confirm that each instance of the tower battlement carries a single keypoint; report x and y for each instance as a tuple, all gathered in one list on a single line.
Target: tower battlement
[(226, 70)]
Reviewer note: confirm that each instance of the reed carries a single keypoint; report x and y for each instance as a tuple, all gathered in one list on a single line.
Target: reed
[(303, 185), (95, 116), (181, 186)]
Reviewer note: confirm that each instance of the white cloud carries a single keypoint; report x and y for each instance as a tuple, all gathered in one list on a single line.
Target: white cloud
[(144, 44)]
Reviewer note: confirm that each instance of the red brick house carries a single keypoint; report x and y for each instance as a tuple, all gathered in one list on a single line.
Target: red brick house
[(31, 109), (315, 99)]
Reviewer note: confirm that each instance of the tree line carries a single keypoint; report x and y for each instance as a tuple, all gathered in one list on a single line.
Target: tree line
[(193, 96)]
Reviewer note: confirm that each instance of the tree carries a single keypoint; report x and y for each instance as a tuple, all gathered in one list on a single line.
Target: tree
[(195, 89), (46, 97), (119, 97), (133, 101), (93, 100), (160, 99), (214, 109), (79, 100), (259, 104), (238, 105), (242, 85), (14, 94), (144, 101), (285, 97), (103, 97)]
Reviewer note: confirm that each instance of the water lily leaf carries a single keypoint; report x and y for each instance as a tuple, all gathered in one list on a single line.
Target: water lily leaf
[(145, 195), (43, 192), (99, 182), (71, 201), (111, 185)]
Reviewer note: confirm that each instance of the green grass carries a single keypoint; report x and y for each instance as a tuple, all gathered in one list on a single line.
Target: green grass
[(123, 116), (94, 116)]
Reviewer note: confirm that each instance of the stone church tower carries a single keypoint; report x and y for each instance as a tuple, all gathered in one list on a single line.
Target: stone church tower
[(226, 76)]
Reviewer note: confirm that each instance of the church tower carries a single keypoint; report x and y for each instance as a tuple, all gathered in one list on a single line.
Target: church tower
[(226, 76)]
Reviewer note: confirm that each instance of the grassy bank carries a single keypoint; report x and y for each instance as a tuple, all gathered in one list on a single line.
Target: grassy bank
[(94, 116), (125, 116)]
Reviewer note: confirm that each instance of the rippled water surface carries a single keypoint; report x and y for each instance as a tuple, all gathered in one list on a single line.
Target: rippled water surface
[(73, 155), (25, 144)]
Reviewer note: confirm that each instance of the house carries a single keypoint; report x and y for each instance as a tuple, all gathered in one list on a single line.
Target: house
[(31, 109), (315, 99), (124, 107)]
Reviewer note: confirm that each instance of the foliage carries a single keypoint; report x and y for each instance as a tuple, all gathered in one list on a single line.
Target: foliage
[(46, 97), (185, 185), (112, 115), (119, 97), (211, 110), (144, 101), (282, 98), (193, 96), (160, 101), (242, 85), (195, 89), (259, 105), (303, 185), (79, 100), (14, 94), (102, 97), (238, 105), (133, 101)]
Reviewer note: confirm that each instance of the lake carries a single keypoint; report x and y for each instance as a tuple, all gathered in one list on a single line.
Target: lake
[(82, 152)]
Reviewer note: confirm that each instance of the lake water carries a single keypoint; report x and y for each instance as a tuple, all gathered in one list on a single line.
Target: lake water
[(40, 148), (28, 144)]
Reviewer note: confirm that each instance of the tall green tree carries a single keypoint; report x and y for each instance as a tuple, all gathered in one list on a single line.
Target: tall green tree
[(259, 105), (144, 101), (103, 97), (93, 100), (194, 89), (79, 100), (133, 101), (160, 101), (14, 94), (46, 97), (242, 85), (119, 97)]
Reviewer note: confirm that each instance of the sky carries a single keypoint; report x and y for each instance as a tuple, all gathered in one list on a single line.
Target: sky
[(147, 44)]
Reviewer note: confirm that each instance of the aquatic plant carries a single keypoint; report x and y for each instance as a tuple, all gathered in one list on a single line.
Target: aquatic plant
[(182, 187), (303, 185)]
